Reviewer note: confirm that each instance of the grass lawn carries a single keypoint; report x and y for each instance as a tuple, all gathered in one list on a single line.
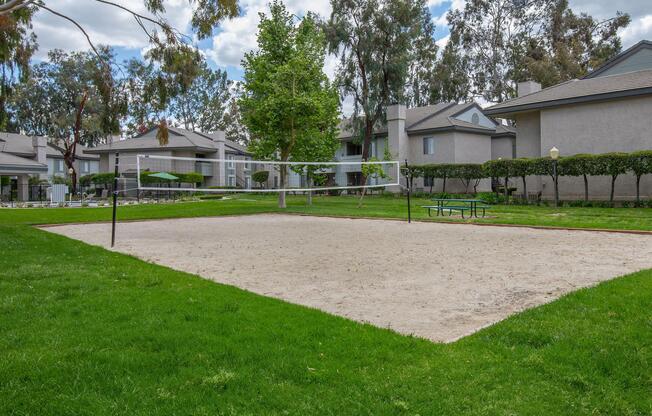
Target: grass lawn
[(380, 207), (87, 331)]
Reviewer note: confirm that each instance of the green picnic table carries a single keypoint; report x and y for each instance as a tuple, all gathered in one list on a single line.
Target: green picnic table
[(462, 205)]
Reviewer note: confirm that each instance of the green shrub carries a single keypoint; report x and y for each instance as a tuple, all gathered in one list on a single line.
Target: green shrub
[(612, 164), (260, 177), (102, 178)]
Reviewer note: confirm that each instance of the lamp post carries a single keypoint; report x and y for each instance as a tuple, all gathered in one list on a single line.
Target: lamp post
[(554, 155)]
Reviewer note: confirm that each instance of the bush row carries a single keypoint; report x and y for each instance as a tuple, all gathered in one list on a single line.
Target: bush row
[(581, 165)]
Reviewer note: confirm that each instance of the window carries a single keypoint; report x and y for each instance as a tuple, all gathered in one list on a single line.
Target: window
[(428, 181), (475, 118), (230, 164), (353, 178), (248, 182), (58, 166), (428, 145), (513, 149), (231, 181), (353, 149), (247, 165), (85, 166)]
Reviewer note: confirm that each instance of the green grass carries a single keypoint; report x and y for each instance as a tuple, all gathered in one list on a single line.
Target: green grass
[(379, 207), (87, 331)]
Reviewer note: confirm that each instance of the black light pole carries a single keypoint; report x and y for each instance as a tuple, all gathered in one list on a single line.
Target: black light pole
[(409, 185), (115, 197)]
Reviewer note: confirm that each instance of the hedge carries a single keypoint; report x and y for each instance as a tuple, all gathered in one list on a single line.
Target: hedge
[(585, 165)]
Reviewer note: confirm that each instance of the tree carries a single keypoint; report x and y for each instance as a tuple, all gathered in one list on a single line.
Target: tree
[(234, 128), (374, 40), (148, 93), (64, 101), (583, 165), (173, 51), (641, 164), (572, 45), (17, 45), (613, 165), (493, 35), (522, 168), (423, 86), (288, 102), (260, 177), (507, 41), (451, 73), (202, 106)]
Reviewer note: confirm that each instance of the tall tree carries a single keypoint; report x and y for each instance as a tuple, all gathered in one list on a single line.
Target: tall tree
[(288, 103), (423, 83), (451, 74), (572, 45), (202, 106), (234, 127), (64, 100), (493, 35), (374, 39), (148, 93), (17, 44)]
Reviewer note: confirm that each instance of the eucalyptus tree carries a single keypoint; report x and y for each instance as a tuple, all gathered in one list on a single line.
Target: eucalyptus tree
[(203, 104), (572, 45), (288, 104), (64, 99), (374, 40)]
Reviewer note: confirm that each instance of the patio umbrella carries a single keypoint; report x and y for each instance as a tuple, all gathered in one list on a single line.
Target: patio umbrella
[(166, 176)]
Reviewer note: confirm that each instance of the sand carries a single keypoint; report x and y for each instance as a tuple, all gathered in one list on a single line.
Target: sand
[(437, 281)]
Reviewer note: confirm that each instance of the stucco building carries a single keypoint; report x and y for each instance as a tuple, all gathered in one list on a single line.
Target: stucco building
[(609, 110), (441, 133), (22, 157), (181, 143)]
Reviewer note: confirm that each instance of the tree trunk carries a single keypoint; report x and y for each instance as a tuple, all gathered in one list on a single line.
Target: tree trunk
[(281, 195), (613, 186), (443, 189), (366, 145), (524, 189), (638, 190), (506, 189), (586, 188)]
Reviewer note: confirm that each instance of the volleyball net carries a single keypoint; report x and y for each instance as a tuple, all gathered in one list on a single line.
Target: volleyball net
[(238, 173)]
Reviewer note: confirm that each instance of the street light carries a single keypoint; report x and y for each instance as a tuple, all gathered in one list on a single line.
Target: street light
[(554, 155)]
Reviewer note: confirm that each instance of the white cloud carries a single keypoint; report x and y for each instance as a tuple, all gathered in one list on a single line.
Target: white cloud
[(639, 29), (238, 35), (105, 24)]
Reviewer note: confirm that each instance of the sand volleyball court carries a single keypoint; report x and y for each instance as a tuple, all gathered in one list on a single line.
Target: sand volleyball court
[(432, 280)]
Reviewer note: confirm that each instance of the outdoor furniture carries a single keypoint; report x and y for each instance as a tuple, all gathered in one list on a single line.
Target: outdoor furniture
[(457, 205)]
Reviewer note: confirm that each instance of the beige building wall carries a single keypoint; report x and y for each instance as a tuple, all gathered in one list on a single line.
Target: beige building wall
[(613, 126)]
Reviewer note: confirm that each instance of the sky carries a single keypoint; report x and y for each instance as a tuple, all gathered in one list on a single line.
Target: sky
[(108, 25)]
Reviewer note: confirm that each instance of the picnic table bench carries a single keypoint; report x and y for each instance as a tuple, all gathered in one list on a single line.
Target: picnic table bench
[(462, 205)]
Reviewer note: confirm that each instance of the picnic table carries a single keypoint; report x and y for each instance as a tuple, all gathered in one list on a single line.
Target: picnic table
[(452, 204)]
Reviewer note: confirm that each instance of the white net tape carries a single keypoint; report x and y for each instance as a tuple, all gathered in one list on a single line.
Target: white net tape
[(237, 173)]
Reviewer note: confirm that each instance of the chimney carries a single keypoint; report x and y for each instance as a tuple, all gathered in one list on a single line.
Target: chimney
[(396, 134), (38, 144), (528, 87)]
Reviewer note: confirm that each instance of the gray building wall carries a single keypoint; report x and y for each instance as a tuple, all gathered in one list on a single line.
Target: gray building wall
[(613, 126), (502, 147), (528, 144)]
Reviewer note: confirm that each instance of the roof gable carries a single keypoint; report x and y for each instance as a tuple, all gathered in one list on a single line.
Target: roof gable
[(636, 58)]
